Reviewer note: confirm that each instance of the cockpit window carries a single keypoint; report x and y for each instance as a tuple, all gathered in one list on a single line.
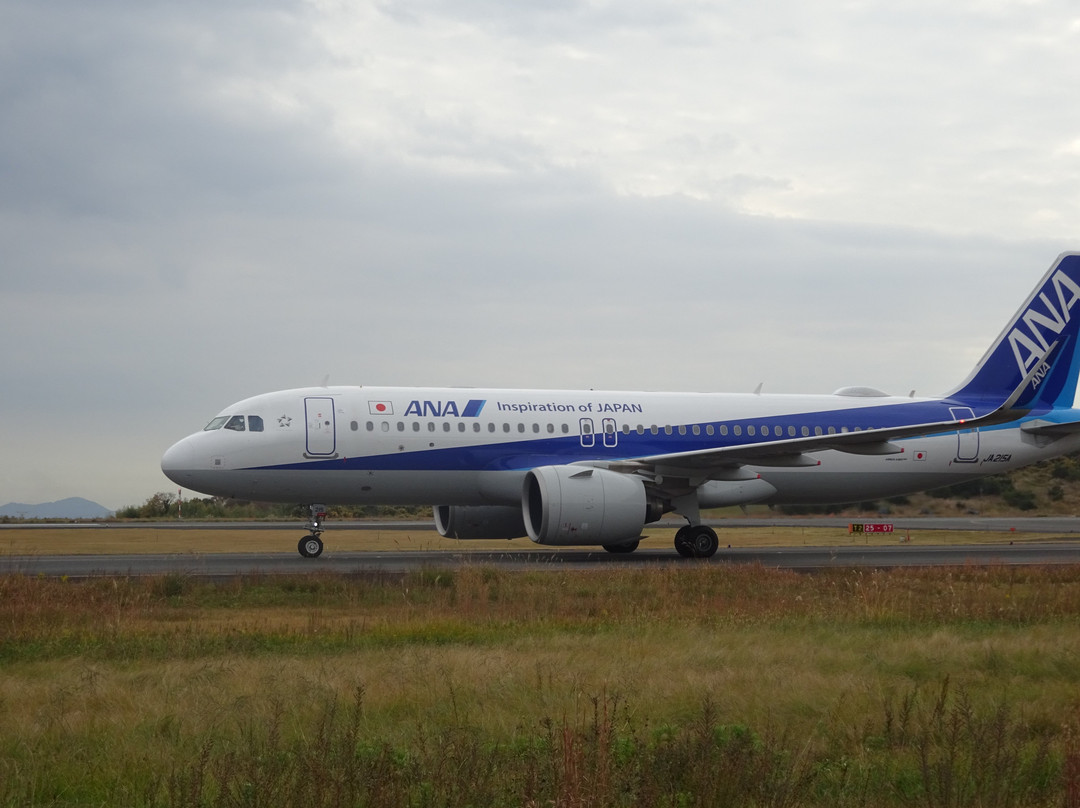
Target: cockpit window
[(235, 423)]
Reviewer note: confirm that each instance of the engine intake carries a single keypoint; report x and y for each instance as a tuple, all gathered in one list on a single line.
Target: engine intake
[(568, 505)]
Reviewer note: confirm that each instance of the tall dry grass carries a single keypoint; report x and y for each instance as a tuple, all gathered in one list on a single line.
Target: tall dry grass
[(475, 686)]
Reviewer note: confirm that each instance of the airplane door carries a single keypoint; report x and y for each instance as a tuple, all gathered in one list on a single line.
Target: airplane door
[(967, 440), (321, 432), (611, 434), (588, 433)]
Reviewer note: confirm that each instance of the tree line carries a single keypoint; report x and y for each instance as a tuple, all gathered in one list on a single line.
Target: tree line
[(167, 505)]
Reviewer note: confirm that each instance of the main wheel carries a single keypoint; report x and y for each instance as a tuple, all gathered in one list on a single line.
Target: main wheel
[(625, 547), (696, 541), (311, 546), (682, 541)]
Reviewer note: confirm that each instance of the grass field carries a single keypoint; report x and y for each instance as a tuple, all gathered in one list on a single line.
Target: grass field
[(696, 685), (155, 539)]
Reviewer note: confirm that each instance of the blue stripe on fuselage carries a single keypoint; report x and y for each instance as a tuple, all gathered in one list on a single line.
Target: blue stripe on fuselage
[(530, 453)]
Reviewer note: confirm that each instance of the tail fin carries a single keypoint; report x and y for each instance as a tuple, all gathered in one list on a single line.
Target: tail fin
[(1035, 361)]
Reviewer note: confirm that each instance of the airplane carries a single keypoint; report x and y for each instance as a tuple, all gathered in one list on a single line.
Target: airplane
[(588, 468)]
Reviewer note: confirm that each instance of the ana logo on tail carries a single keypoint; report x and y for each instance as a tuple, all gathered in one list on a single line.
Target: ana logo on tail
[(1026, 338)]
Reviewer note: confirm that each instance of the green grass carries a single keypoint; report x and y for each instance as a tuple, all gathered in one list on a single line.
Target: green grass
[(688, 686)]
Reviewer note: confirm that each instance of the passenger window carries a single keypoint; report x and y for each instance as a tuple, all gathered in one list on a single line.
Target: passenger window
[(400, 426), (476, 427), (385, 426), (506, 427), (750, 430), (416, 426), (551, 429), (723, 429), (696, 429), (737, 430), (709, 429), (565, 429), (235, 423), (460, 426), (521, 427), (370, 426)]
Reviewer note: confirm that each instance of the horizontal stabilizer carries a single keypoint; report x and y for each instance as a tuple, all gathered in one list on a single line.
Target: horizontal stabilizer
[(1051, 428)]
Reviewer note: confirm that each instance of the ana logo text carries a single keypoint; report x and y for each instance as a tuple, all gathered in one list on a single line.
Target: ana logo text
[(445, 409), (1028, 337)]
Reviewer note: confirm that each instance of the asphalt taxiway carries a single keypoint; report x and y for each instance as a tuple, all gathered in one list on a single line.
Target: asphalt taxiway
[(1061, 546), (217, 565)]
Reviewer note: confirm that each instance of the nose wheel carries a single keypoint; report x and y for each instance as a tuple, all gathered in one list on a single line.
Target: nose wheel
[(311, 546)]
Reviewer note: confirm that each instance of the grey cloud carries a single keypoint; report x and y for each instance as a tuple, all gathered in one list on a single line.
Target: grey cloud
[(203, 202)]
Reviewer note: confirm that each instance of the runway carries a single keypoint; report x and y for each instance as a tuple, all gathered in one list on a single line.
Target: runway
[(1060, 525), (808, 559)]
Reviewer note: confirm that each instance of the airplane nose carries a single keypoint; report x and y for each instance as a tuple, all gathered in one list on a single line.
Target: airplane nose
[(178, 462)]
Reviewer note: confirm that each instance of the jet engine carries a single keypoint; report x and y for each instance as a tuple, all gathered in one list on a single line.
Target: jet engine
[(567, 505), (479, 521)]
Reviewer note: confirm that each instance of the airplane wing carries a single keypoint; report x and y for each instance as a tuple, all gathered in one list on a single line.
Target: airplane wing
[(796, 452)]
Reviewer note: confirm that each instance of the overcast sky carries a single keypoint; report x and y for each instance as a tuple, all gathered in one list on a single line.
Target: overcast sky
[(204, 201)]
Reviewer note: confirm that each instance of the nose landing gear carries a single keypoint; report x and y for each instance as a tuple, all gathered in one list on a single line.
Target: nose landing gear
[(311, 546)]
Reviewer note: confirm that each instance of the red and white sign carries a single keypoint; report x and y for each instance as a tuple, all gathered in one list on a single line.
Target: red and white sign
[(380, 408)]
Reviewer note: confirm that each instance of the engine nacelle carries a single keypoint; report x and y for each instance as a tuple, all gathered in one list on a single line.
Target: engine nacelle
[(479, 521), (567, 505)]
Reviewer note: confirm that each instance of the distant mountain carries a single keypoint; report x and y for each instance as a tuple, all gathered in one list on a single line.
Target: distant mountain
[(70, 508)]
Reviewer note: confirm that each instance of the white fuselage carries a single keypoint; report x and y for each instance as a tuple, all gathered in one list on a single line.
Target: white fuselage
[(382, 445)]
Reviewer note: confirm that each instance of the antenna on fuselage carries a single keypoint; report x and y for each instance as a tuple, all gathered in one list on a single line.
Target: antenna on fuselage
[(325, 381)]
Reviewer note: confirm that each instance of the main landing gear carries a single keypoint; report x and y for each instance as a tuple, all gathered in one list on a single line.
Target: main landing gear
[(696, 541), (311, 546)]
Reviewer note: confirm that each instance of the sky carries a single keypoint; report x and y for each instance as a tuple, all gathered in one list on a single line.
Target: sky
[(204, 201)]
